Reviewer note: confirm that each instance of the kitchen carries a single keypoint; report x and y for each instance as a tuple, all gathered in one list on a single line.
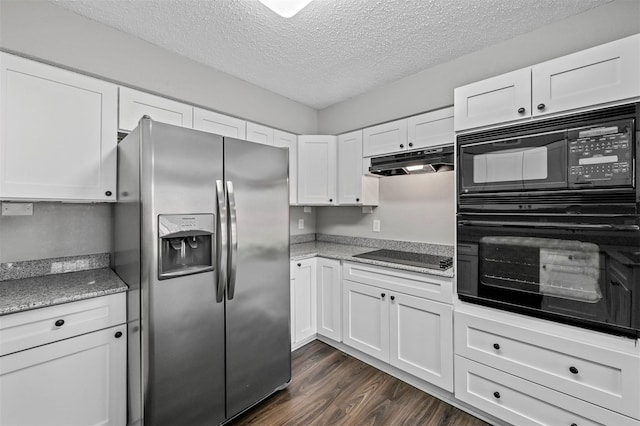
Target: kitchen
[(408, 209)]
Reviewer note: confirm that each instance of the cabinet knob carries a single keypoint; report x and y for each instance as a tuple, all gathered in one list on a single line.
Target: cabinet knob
[(496, 346), (383, 295), (573, 370), (521, 110), (108, 193), (541, 107), (574, 424), (392, 297), (496, 395), (299, 265), (410, 144), (59, 323), (357, 199), (118, 334), (401, 145), (331, 200)]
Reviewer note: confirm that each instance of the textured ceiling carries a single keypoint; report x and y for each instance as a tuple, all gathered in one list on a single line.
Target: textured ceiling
[(333, 49)]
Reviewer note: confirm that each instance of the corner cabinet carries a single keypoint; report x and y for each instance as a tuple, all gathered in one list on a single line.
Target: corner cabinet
[(58, 133), (329, 298), (599, 75), (63, 367), (386, 316), (354, 188), (303, 302), (317, 160)]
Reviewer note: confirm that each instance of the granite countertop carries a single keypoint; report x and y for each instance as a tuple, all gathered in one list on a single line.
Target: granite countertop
[(37, 292), (346, 252)]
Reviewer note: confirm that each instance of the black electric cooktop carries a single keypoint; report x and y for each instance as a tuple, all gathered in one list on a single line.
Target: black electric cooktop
[(421, 260)]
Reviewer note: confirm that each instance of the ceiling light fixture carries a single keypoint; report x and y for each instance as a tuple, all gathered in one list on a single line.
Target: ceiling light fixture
[(286, 8)]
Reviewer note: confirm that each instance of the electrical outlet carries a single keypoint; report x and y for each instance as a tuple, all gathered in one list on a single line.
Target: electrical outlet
[(17, 209), (376, 225), (300, 223)]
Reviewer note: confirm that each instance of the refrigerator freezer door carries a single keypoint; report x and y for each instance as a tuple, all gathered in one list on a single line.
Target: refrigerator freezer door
[(257, 322), (182, 324)]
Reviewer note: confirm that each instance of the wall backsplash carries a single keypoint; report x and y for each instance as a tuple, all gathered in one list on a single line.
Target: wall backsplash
[(296, 213), (56, 230)]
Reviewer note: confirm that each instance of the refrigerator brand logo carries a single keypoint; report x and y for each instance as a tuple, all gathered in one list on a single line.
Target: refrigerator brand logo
[(188, 223)]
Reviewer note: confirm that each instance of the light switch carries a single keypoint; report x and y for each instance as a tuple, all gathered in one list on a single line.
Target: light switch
[(376, 225)]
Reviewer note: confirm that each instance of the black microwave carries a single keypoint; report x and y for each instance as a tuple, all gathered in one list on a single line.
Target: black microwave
[(574, 163)]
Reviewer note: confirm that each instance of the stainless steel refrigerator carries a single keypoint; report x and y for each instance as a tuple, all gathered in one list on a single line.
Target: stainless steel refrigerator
[(202, 240)]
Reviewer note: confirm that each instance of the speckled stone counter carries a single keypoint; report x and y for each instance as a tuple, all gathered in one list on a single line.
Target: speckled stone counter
[(37, 292), (346, 252)]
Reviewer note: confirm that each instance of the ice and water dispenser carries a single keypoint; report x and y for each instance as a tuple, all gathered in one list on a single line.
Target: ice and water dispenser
[(186, 244)]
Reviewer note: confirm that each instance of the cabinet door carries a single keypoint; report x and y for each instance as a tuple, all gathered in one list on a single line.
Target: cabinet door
[(289, 140), (605, 73), (365, 321), (350, 168), (78, 381), (219, 124), (329, 298), (304, 299), (430, 129), (506, 97), (134, 104), (421, 337), (317, 170), (58, 133), (260, 134), (385, 138)]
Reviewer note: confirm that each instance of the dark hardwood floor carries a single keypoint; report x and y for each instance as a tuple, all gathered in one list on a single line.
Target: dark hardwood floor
[(330, 387)]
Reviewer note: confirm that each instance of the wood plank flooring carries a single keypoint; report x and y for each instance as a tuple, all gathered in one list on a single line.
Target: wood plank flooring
[(330, 387)]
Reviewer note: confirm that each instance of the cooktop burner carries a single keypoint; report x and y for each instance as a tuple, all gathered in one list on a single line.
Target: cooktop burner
[(421, 260)]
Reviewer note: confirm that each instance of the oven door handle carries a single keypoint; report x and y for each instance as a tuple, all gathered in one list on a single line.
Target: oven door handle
[(552, 225)]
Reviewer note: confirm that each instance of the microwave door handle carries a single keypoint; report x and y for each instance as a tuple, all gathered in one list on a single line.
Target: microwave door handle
[(554, 225)]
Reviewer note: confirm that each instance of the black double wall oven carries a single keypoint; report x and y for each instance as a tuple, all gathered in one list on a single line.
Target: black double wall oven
[(548, 219)]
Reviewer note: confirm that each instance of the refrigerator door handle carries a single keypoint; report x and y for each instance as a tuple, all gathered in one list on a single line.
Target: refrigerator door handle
[(233, 249), (221, 260)]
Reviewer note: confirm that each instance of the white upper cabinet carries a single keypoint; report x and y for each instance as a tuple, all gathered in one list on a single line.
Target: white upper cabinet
[(354, 187), (219, 124), (506, 97), (317, 170), (289, 140), (260, 134), (134, 104), (58, 133), (605, 73), (385, 138), (602, 74), (430, 129)]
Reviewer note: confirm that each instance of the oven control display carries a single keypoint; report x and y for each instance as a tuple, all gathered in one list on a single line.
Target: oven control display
[(601, 156)]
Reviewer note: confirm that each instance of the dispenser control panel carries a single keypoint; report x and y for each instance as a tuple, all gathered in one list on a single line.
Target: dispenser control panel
[(186, 244)]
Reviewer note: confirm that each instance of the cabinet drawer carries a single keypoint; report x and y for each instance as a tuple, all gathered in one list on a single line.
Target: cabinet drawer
[(36, 327), (521, 402), (413, 283), (597, 374)]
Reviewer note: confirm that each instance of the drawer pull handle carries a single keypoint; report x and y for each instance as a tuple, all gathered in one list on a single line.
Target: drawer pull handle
[(59, 323), (118, 334), (573, 370), (496, 395), (496, 346)]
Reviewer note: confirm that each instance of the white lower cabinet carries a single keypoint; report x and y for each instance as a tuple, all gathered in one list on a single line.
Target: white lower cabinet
[(79, 380), (329, 298), (530, 371), (411, 333), (521, 402), (303, 296)]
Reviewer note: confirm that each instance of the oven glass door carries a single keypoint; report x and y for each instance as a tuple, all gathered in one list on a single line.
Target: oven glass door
[(584, 273), (517, 164)]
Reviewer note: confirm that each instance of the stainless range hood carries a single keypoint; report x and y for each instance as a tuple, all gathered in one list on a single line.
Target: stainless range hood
[(423, 161)]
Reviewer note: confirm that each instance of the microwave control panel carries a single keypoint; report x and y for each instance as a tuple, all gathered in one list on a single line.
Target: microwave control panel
[(601, 155)]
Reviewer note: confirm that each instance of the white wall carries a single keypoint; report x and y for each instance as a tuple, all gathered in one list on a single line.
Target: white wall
[(39, 29), (433, 88), (296, 213), (417, 208)]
